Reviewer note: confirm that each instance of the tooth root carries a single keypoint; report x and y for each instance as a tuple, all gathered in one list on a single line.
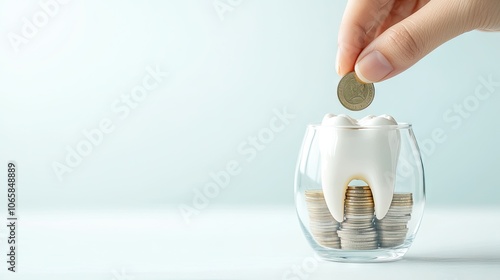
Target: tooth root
[(334, 188), (382, 186)]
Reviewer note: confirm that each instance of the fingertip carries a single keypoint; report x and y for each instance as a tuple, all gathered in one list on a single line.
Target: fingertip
[(345, 59), (337, 62), (340, 63)]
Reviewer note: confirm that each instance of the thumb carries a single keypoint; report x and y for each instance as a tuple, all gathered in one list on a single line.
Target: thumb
[(405, 43)]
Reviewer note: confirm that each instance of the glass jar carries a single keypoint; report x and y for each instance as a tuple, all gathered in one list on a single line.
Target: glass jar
[(360, 236)]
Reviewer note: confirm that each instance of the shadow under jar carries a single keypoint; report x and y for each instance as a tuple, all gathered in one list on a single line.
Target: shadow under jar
[(360, 236)]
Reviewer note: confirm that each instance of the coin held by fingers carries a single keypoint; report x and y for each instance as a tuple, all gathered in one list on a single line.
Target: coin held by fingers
[(353, 94)]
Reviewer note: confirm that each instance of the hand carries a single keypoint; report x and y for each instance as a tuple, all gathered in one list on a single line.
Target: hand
[(381, 38)]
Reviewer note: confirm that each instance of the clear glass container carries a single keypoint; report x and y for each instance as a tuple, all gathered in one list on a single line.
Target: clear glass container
[(389, 238)]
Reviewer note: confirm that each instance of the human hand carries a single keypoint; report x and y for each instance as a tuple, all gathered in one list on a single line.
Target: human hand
[(381, 38)]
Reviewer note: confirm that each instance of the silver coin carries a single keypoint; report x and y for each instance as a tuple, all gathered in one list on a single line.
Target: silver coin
[(327, 239), (367, 214), (395, 219), (359, 218), (356, 220), (389, 245), (392, 212), (401, 217), (358, 205), (400, 204), (359, 226), (358, 239), (357, 231), (391, 223), (364, 248), (359, 208), (367, 204), (400, 239), (386, 224), (358, 242), (391, 227), (366, 236), (390, 234), (360, 245), (394, 240), (398, 214), (398, 195), (359, 223), (401, 208), (368, 230), (402, 200), (384, 236)]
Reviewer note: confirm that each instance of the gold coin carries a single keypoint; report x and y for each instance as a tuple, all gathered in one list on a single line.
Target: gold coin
[(354, 94)]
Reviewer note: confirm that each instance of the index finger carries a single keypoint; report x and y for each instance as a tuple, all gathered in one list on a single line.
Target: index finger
[(359, 26)]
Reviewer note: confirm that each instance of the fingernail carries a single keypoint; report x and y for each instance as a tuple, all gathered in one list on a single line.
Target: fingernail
[(373, 67)]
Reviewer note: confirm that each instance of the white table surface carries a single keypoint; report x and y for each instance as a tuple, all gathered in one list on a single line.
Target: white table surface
[(237, 243)]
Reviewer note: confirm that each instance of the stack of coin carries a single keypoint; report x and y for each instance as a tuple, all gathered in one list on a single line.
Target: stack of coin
[(357, 231), (321, 223), (393, 228)]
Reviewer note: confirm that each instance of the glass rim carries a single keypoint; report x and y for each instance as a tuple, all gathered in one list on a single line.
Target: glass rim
[(398, 126)]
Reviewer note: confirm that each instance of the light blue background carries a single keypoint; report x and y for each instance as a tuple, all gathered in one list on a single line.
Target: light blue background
[(227, 77)]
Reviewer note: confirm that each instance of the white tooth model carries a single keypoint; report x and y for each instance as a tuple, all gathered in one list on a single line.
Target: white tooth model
[(366, 150)]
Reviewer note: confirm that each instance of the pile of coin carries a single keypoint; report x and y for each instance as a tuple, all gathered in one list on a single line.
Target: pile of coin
[(322, 225), (357, 231), (392, 229)]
